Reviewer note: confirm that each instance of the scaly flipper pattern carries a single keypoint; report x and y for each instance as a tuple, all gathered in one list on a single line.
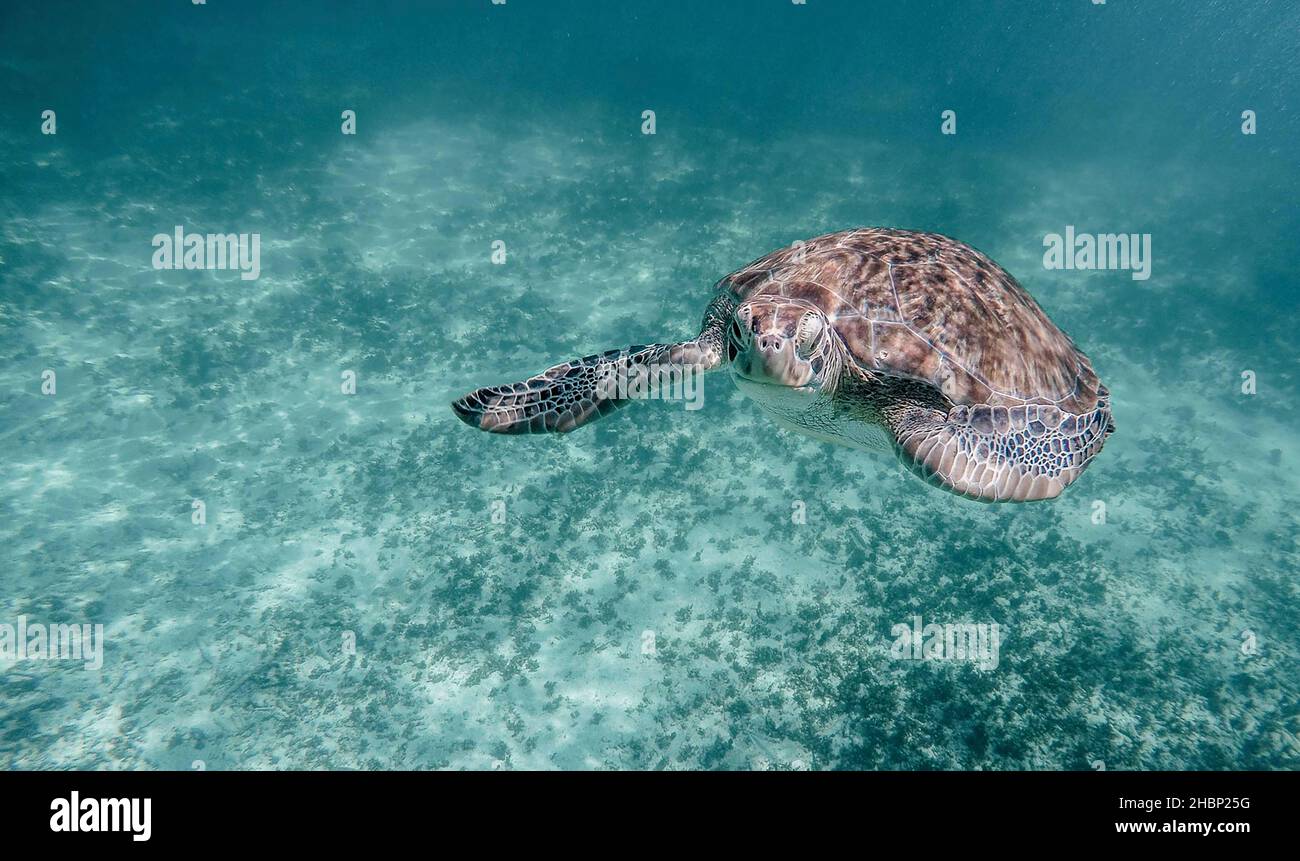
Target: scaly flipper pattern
[(571, 394), (1001, 454)]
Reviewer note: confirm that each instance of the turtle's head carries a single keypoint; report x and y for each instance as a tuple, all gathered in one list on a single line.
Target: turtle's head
[(777, 341)]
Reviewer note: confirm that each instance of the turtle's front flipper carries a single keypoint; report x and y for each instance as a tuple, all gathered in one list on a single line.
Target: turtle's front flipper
[(1000, 454), (571, 394), (574, 393)]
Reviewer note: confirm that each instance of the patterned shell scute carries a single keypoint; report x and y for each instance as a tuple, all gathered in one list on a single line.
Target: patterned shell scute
[(927, 307)]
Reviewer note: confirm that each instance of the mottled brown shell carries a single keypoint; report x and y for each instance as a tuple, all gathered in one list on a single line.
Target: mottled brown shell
[(927, 307)]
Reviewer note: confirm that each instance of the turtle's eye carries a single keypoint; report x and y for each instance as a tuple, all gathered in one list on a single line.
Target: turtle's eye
[(810, 327), (737, 336), (735, 340)]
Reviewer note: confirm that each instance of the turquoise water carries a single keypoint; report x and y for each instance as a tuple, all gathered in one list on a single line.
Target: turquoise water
[(375, 585)]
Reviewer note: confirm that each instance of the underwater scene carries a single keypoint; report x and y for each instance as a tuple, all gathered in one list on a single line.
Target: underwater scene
[(251, 254)]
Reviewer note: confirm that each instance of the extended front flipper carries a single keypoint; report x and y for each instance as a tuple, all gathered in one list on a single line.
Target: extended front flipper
[(571, 394)]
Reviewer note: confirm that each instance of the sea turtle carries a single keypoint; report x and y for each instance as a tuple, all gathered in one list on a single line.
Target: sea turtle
[(875, 338)]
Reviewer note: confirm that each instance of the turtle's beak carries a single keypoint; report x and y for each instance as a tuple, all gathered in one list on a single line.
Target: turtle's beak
[(772, 359)]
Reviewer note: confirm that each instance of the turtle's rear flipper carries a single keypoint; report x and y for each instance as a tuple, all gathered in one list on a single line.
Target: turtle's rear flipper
[(1001, 454), (574, 393)]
